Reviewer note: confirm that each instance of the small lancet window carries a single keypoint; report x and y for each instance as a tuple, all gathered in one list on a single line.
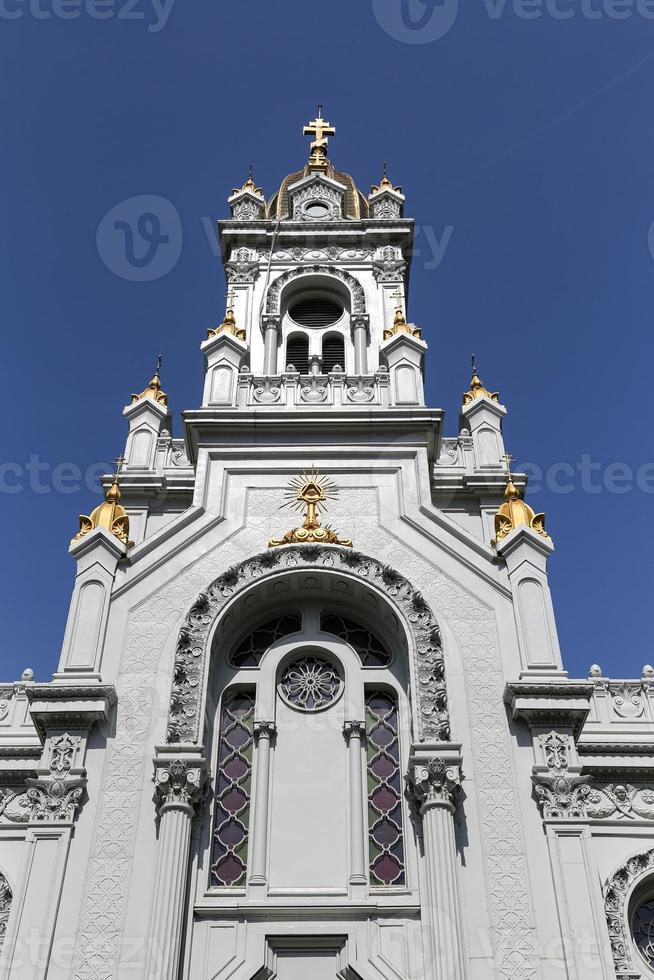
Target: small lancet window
[(333, 353), (233, 790), (385, 823), (250, 651), (297, 353), (371, 651)]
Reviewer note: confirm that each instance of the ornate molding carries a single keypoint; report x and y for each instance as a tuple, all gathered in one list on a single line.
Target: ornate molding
[(192, 648), (241, 272), (6, 898), (56, 797), (330, 254), (356, 289), (389, 270), (264, 729), (179, 784), (616, 895), (435, 782)]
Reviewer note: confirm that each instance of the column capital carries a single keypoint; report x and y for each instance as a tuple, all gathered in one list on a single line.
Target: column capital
[(264, 729), (179, 782), (435, 782), (360, 320), (353, 728), (271, 321)]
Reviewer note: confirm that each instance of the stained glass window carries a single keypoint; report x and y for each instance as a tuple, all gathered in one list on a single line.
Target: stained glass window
[(385, 831), (310, 684), (642, 926), (253, 647), (233, 790), (372, 653)]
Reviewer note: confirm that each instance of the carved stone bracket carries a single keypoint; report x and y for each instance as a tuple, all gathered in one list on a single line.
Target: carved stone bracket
[(617, 891), (193, 644), (435, 782), (179, 784)]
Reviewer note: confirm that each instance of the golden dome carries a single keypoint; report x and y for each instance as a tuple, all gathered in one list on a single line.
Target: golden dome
[(356, 204), (514, 512), (110, 515)]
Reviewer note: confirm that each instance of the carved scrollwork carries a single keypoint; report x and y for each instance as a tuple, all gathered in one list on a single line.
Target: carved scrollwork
[(435, 782), (266, 391), (315, 392), (242, 272), (6, 898), (389, 270), (361, 391), (192, 647), (616, 895), (627, 699), (178, 784)]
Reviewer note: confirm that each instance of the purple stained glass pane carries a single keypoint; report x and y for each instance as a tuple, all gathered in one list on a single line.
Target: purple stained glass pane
[(233, 782), (370, 649), (643, 930), (385, 826)]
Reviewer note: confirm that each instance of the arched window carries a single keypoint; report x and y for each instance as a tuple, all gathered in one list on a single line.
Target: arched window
[(297, 352), (6, 898), (333, 352), (311, 706)]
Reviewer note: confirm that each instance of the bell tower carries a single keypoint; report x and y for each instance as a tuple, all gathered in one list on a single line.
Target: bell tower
[(317, 310)]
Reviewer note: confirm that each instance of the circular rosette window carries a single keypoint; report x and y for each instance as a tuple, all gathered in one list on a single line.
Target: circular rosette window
[(310, 684)]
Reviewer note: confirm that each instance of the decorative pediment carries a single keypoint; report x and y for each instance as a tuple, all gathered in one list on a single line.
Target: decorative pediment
[(317, 198)]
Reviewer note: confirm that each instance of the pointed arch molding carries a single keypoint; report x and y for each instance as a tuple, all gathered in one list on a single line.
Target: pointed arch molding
[(273, 299), (193, 646), (617, 894)]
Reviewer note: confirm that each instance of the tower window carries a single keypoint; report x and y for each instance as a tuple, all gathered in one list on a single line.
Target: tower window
[(297, 353), (333, 353), (316, 311), (385, 825)]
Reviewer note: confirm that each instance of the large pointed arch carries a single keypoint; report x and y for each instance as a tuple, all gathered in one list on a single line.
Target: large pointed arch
[(194, 643)]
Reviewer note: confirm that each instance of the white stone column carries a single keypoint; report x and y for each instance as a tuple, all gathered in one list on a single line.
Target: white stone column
[(354, 732), (264, 732), (435, 782), (360, 340), (270, 334), (179, 780)]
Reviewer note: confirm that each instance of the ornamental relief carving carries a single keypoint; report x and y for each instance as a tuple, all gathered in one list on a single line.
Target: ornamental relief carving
[(435, 782), (317, 191), (331, 254), (616, 893), (48, 799), (192, 653), (355, 287), (6, 898)]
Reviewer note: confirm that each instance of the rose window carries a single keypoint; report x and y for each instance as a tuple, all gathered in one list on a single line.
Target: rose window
[(642, 927), (310, 684)]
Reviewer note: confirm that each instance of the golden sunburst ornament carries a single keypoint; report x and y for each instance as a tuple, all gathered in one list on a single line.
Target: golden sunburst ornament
[(309, 492)]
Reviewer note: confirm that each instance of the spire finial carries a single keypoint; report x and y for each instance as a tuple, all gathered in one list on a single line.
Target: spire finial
[(477, 388), (385, 184), (110, 515), (514, 512), (229, 323), (153, 390)]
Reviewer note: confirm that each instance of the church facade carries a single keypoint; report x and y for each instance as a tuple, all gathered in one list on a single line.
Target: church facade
[(311, 718)]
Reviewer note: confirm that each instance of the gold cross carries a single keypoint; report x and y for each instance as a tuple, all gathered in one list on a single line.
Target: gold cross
[(319, 128), (230, 299), (119, 460), (398, 296), (508, 459)]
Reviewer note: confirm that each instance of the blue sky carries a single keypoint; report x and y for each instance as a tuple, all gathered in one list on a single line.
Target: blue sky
[(524, 127)]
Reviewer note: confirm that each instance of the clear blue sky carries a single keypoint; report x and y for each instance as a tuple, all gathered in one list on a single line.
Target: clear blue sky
[(530, 136)]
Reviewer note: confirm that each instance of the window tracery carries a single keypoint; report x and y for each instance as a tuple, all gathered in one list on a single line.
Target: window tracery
[(310, 684), (370, 650), (385, 823), (251, 649), (233, 790)]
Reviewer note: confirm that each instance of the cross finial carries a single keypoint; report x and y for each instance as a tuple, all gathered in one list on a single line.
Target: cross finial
[(321, 130), (230, 299), (159, 360), (473, 359), (398, 296), (251, 171), (508, 459), (119, 460)]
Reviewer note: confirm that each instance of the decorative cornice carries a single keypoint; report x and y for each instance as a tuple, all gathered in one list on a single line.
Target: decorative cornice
[(435, 782), (192, 646)]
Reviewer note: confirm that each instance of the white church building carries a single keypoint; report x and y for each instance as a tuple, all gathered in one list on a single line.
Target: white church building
[(311, 718)]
